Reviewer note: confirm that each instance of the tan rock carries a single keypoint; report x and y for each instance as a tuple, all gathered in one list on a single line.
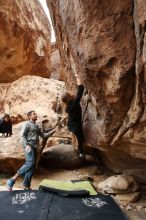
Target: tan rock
[(120, 161), (56, 68), (118, 184), (24, 40), (106, 40), (11, 152), (58, 140), (125, 199), (94, 38), (61, 157), (31, 93), (128, 208), (139, 207)]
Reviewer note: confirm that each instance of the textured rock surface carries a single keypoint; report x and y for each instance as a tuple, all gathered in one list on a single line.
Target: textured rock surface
[(61, 156), (24, 40), (99, 38), (125, 199), (132, 132), (31, 93), (107, 42), (11, 152), (56, 68), (118, 184)]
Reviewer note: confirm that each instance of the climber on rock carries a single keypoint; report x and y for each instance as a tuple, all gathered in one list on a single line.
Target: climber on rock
[(30, 133), (74, 111)]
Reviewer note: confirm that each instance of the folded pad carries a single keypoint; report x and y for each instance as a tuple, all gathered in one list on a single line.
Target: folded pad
[(68, 188)]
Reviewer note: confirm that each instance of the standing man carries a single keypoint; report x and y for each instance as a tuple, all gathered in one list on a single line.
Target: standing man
[(74, 111), (30, 133)]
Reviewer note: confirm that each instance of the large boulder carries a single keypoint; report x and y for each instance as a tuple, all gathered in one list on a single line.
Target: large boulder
[(32, 93), (130, 153), (106, 41), (61, 156), (118, 184), (11, 152), (98, 37), (24, 40)]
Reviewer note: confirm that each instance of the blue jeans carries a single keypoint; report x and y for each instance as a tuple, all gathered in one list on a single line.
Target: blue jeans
[(27, 170)]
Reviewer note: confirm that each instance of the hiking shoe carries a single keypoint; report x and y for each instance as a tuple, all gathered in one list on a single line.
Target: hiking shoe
[(10, 184), (27, 188), (82, 156)]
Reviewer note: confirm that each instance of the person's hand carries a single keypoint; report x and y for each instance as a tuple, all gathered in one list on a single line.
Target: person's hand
[(76, 75), (74, 67), (27, 149)]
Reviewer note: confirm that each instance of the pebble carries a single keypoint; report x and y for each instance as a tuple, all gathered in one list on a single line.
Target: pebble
[(129, 208), (139, 207)]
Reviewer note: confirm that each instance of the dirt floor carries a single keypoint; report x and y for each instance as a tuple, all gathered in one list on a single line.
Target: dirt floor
[(135, 211)]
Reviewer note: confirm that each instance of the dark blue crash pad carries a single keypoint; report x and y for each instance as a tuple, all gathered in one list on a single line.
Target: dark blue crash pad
[(41, 205)]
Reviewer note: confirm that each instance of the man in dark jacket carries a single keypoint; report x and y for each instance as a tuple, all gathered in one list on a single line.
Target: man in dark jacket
[(6, 125), (74, 111)]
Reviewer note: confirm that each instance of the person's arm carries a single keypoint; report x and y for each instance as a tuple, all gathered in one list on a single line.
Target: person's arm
[(79, 93), (79, 83), (48, 134), (80, 89), (23, 134)]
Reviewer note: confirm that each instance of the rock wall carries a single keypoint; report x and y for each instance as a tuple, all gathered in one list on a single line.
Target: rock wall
[(25, 49), (56, 66), (31, 93), (132, 134), (24, 40), (106, 40)]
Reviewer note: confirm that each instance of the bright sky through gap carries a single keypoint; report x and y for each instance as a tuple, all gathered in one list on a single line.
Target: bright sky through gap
[(45, 7)]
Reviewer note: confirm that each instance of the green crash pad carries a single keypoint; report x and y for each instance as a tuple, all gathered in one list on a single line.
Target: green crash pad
[(71, 186)]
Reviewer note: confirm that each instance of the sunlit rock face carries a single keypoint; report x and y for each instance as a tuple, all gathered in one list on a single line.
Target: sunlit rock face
[(11, 152), (106, 40), (31, 93), (99, 38), (24, 40), (56, 66)]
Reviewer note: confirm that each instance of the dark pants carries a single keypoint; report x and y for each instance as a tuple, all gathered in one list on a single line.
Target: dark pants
[(6, 128), (28, 169), (78, 132)]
